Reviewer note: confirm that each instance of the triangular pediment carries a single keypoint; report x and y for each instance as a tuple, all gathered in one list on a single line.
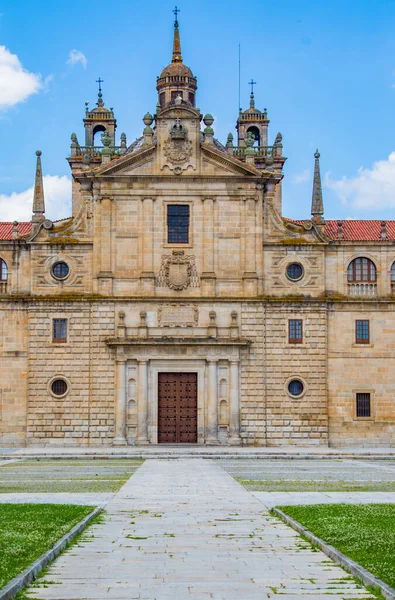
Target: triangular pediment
[(217, 163), (134, 163)]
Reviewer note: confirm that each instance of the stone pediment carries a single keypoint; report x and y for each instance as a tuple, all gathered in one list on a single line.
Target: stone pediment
[(217, 163), (135, 163)]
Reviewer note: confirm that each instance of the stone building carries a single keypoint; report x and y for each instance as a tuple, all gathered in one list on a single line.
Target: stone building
[(178, 305)]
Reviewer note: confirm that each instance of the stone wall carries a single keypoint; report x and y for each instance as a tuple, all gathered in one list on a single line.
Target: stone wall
[(362, 368), (252, 380), (13, 359), (86, 414), (300, 421)]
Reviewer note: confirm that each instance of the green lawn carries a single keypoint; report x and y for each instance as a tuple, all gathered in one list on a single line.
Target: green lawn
[(364, 532), (29, 530), (300, 485), (51, 476)]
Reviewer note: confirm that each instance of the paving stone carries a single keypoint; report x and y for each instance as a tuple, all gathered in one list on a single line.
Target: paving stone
[(187, 530)]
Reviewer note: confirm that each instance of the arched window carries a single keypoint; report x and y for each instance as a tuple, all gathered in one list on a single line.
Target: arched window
[(361, 270), (393, 273), (3, 270)]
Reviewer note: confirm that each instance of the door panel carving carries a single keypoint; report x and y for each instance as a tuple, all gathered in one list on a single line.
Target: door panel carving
[(177, 414)]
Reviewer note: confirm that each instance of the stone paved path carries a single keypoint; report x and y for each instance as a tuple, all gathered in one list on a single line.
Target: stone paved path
[(185, 530)]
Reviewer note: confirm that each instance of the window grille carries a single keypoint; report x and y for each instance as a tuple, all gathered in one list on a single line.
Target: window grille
[(177, 223), (59, 331), (393, 273), (295, 331), (59, 387), (363, 405), (362, 334)]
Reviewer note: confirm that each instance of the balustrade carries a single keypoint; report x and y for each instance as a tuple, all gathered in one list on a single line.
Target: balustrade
[(362, 289), (3, 287)]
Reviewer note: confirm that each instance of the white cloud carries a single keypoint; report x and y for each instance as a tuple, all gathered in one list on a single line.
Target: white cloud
[(373, 187), (16, 84), (77, 57), (57, 194), (301, 177)]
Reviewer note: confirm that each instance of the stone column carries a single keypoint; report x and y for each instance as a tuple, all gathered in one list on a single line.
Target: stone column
[(121, 405), (234, 403), (212, 403), (142, 403), (147, 275), (208, 274)]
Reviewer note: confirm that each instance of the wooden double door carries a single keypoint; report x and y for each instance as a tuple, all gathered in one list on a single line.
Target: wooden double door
[(177, 411)]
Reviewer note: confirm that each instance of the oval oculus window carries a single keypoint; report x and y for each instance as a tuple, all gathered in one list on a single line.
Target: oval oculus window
[(59, 387), (295, 387), (294, 271), (60, 270)]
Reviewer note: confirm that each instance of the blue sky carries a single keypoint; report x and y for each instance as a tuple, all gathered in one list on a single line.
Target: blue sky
[(325, 70)]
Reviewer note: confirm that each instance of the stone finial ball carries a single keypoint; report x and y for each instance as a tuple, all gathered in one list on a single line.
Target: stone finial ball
[(148, 119), (38, 152), (317, 154), (208, 120)]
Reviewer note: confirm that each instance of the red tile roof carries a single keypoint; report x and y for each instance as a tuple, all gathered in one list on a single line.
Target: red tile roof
[(357, 230), (6, 230)]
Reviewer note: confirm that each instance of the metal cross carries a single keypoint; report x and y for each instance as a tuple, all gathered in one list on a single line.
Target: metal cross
[(176, 11), (99, 81), (252, 83)]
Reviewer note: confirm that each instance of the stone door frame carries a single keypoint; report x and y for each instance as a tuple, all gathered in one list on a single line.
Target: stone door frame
[(176, 366)]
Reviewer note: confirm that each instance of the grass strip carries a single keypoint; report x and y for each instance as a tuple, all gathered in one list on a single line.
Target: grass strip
[(363, 532), (300, 485), (29, 530)]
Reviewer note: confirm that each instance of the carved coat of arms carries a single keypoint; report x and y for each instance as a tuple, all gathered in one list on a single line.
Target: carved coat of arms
[(178, 151), (178, 271)]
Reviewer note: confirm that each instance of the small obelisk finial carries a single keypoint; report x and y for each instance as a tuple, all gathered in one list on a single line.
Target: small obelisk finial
[(100, 102), (38, 198), (317, 203), (252, 101), (177, 58)]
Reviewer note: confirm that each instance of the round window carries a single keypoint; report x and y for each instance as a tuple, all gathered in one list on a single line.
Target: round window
[(294, 271), (60, 270), (295, 387), (59, 387)]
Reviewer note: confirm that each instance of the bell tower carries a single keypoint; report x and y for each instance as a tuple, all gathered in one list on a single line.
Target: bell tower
[(100, 119), (252, 122)]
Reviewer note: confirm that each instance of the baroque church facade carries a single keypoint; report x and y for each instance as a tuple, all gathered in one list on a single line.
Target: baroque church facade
[(178, 305)]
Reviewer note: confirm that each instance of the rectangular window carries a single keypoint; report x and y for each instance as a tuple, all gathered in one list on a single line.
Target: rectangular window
[(295, 331), (363, 405), (59, 331), (362, 335), (177, 223)]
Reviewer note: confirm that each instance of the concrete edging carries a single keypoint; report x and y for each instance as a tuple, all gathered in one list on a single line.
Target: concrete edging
[(11, 589), (349, 565)]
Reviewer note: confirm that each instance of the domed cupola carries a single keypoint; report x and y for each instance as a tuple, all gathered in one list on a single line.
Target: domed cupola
[(176, 80)]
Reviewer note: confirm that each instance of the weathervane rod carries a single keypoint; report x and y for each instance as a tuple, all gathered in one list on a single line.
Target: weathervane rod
[(239, 107)]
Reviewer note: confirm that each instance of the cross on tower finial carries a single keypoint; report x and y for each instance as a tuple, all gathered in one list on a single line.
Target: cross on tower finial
[(176, 11), (252, 83), (99, 81)]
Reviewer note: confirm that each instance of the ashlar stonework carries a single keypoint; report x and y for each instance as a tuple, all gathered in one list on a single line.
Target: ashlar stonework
[(177, 259)]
